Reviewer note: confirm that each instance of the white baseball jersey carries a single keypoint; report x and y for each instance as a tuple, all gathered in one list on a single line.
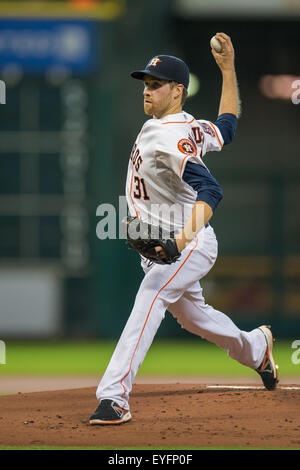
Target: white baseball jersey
[(155, 190), (155, 172)]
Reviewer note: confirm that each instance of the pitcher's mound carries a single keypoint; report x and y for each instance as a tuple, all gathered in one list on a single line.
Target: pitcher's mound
[(163, 415)]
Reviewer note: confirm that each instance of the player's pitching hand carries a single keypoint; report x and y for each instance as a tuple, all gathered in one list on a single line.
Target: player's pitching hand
[(225, 58)]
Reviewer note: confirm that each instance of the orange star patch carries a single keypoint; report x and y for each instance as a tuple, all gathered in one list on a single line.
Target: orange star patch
[(187, 147)]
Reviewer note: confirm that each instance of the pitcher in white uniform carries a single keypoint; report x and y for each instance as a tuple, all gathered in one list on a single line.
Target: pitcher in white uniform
[(169, 185)]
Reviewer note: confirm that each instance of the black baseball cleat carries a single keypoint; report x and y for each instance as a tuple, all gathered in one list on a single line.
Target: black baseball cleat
[(109, 412), (268, 369)]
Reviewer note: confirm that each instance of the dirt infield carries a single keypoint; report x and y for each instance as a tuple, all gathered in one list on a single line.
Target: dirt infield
[(164, 415)]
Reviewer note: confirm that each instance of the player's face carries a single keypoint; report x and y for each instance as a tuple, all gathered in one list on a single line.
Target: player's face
[(159, 97)]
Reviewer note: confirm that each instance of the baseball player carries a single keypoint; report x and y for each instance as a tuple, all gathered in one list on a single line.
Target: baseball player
[(169, 187)]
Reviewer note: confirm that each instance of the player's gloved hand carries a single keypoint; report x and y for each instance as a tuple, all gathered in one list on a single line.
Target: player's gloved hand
[(147, 238)]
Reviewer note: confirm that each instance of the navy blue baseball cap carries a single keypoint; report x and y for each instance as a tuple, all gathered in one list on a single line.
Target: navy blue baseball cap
[(166, 67)]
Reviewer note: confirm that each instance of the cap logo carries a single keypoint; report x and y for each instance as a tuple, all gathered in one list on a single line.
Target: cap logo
[(154, 62)]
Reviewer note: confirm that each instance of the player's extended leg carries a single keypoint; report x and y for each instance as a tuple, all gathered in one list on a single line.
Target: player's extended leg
[(201, 319), (252, 349)]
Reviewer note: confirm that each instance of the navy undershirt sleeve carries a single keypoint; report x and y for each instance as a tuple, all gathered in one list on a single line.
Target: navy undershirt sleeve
[(202, 181), (227, 123)]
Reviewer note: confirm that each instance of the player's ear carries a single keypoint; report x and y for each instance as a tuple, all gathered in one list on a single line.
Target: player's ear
[(179, 89)]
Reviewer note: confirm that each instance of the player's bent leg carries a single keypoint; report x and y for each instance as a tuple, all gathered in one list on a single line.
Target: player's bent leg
[(136, 338), (201, 319)]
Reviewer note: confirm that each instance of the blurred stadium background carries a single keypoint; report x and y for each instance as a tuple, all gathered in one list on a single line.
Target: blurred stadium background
[(70, 117)]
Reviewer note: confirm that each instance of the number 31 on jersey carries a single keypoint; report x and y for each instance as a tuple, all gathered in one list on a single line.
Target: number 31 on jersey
[(140, 190)]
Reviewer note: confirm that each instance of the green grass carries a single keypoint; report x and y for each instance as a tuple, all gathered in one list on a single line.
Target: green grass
[(165, 357)]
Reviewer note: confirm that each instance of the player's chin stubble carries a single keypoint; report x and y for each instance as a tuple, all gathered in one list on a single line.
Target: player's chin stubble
[(148, 109)]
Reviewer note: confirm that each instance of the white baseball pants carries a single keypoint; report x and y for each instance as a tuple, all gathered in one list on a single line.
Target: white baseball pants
[(176, 288)]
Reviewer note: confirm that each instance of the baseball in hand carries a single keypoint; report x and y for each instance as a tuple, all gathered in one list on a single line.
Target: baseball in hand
[(215, 44)]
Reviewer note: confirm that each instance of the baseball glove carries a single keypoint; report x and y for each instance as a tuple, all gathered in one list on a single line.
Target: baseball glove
[(145, 237)]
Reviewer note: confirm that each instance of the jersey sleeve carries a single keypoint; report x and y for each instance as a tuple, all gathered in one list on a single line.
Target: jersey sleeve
[(203, 182), (227, 125), (212, 137), (174, 149)]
